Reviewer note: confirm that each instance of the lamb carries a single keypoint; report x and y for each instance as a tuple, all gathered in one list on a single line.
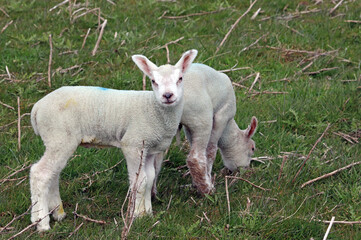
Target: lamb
[(141, 123), (208, 120)]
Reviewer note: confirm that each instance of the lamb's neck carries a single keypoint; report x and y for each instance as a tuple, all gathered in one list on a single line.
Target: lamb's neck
[(170, 115)]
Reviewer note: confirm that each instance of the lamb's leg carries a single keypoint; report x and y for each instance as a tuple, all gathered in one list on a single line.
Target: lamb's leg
[(220, 121), (43, 178), (158, 160), (150, 173), (55, 200), (137, 178), (197, 160)]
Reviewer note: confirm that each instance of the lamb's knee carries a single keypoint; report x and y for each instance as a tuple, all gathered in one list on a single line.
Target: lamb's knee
[(198, 169)]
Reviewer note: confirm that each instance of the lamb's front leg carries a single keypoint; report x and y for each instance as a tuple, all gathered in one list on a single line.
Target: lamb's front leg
[(140, 186), (158, 160)]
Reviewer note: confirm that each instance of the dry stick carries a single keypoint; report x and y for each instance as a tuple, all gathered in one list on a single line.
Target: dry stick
[(144, 81), (76, 229), (15, 218), (4, 12), (347, 137), (50, 59), (329, 228), (191, 15), (33, 224), (89, 219), (19, 125), (340, 222), (254, 82), (170, 200), (255, 14), (254, 43), (309, 154), (86, 36), (8, 106), (6, 26), (335, 7), (330, 174), (166, 47), (58, 5), (6, 125), (8, 72), (254, 185), (268, 92), (131, 202), (99, 38), (234, 25), (352, 21), (321, 70), (227, 195), (282, 165), (16, 172), (233, 69)]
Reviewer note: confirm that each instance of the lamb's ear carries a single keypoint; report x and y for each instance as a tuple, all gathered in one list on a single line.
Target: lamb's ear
[(145, 65), (252, 128), (186, 60)]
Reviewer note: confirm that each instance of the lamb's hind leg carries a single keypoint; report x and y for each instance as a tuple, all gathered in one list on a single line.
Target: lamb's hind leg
[(44, 179), (197, 160), (220, 120)]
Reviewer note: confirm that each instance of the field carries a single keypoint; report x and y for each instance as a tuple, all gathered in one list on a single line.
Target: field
[(295, 65)]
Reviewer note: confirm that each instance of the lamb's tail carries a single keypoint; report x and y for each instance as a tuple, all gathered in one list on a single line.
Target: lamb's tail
[(34, 112)]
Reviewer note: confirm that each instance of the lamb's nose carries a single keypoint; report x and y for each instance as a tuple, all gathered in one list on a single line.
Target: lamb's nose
[(167, 95)]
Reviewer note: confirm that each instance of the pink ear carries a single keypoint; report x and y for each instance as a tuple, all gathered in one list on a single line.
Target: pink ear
[(145, 65), (252, 128), (186, 60)]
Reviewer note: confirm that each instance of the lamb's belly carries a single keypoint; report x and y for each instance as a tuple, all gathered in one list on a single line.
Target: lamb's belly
[(96, 142)]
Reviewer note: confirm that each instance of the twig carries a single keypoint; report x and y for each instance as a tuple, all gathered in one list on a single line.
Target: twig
[(33, 224), (166, 46), (170, 200), (86, 36), (254, 82), (347, 137), (50, 59), (99, 38), (8, 72), (352, 21), (254, 43), (339, 222), (238, 85), (227, 195), (15, 218), (89, 219), (6, 26), (190, 15), (282, 165), (335, 7), (76, 229), (233, 26), (321, 70), (233, 69), (19, 125), (58, 5), (309, 154), (267, 92), (4, 12), (111, 2), (329, 228), (144, 82), (329, 174), (6, 125), (254, 185), (255, 14), (8, 106)]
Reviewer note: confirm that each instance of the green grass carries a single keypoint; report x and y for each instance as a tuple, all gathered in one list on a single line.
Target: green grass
[(302, 114)]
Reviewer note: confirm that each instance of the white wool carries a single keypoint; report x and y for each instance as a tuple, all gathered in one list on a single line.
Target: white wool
[(141, 123), (208, 120)]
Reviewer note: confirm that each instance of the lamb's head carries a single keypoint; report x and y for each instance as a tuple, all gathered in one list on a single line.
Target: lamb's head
[(166, 80), (242, 149)]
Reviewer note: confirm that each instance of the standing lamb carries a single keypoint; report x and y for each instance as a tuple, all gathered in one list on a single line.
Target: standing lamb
[(141, 123), (208, 120)]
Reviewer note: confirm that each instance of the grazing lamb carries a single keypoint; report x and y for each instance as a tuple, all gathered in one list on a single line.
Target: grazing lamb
[(141, 123), (208, 120)]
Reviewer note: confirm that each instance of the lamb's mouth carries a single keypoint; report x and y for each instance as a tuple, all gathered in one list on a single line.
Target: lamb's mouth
[(169, 102)]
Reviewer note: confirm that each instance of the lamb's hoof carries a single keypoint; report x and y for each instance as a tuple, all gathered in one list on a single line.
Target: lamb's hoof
[(42, 226), (206, 189), (59, 213)]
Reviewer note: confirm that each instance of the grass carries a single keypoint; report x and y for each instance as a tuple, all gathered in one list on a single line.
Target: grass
[(311, 102)]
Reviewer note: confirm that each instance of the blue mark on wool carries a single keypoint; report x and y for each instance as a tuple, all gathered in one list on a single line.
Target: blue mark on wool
[(103, 89)]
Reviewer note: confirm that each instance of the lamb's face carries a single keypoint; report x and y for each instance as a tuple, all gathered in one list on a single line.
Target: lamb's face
[(240, 153), (243, 152), (167, 85), (167, 79)]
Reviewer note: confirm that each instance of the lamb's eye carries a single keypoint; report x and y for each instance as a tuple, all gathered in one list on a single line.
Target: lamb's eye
[(253, 149), (180, 80), (153, 82)]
